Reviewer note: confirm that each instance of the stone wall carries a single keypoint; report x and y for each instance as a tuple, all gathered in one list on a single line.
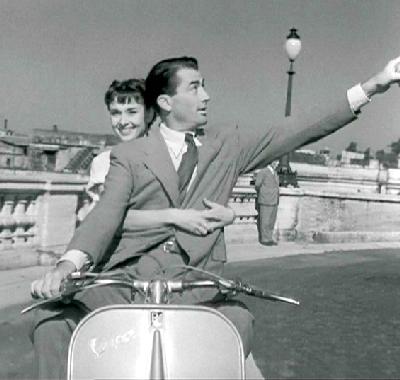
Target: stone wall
[(324, 217), (39, 211), (322, 211)]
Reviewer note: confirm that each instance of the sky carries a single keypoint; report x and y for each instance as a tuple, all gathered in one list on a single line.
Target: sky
[(59, 56)]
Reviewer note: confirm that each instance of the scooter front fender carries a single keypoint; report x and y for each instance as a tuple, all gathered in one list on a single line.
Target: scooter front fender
[(155, 342)]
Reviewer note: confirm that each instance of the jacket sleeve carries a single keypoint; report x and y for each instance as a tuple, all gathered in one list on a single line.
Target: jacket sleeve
[(97, 230), (263, 144), (260, 177)]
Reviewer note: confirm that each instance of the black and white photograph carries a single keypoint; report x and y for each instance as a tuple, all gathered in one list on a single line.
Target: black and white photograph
[(199, 189)]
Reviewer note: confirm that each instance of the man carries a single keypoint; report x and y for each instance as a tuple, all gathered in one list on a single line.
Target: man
[(130, 120), (267, 200), (144, 175)]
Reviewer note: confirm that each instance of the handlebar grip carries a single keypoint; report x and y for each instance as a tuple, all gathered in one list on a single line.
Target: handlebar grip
[(262, 294)]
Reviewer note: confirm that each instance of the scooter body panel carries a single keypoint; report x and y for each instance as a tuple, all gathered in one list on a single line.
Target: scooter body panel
[(155, 341)]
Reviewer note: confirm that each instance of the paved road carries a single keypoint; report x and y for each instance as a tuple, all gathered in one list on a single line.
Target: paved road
[(346, 327)]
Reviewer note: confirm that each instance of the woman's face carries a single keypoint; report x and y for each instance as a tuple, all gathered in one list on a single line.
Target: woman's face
[(127, 119)]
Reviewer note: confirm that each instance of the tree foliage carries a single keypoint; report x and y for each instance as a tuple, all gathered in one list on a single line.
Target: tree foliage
[(352, 147)]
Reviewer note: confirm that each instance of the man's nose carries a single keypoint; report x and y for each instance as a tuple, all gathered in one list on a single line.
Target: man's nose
[(204, 95)]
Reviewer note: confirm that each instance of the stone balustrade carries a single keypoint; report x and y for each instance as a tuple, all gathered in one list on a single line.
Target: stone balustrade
[(39, 211), (331, 205)]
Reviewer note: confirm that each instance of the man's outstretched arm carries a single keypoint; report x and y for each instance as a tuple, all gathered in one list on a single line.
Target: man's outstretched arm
[(261, 145)]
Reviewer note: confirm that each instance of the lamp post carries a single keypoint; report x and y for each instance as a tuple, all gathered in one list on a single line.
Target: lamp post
[(292, 47)]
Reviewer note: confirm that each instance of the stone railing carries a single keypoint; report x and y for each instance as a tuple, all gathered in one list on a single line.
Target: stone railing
[(18, 212), (347, 179), (39, 211), (321, 210)]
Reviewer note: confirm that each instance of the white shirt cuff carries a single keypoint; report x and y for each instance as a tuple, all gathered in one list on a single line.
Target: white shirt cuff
[(357, 98), (78, 258)]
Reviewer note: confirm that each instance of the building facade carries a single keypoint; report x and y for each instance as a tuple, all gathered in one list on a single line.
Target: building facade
[(51, 150)]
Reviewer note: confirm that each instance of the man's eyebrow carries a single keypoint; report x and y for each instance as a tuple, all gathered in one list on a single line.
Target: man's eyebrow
[(197, 81)]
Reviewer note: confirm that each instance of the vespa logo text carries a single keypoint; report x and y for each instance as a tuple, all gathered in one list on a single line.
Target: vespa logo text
[(101, 345)]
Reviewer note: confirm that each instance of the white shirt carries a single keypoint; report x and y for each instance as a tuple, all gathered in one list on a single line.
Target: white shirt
[(98, 171), (177, 146)]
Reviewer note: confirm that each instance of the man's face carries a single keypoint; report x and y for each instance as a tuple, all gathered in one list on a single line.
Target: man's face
[(274, 164), (189, 103), (127, 119)]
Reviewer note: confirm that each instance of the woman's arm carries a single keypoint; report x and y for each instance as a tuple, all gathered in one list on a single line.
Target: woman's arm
[(198, 222)]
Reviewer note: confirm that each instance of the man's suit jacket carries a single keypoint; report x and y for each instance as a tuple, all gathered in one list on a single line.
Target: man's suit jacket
[(267, 187), (142, 176)]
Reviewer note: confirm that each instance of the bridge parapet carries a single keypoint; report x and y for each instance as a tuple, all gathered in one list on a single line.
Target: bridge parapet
[(39, 211)]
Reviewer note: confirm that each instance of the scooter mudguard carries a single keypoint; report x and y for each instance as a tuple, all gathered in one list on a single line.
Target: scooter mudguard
[(155, 342)]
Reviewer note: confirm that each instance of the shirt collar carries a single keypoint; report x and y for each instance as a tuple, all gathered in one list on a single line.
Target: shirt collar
[(177, 138)]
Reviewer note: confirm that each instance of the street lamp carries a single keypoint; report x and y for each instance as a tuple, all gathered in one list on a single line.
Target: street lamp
[(292, 47)]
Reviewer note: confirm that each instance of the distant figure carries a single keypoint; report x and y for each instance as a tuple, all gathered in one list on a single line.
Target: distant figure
[(267, 188)]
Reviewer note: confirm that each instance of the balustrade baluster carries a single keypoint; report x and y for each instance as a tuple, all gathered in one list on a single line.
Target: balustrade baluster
[(7, 222)]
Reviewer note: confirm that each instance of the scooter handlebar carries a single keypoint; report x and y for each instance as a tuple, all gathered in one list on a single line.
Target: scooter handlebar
[(79, 281)]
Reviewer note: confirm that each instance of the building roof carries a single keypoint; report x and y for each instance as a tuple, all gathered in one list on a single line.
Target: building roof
[(65, 137), (17, 140)]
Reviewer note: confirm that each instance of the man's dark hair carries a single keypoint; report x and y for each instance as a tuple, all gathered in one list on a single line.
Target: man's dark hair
[(162, 78), (124, 90)]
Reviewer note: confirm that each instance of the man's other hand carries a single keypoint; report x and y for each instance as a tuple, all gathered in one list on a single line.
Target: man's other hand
[(48, 286), (381, 82), (217, 216)]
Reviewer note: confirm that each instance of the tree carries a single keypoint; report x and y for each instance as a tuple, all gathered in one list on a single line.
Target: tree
[(380, 155), (367, 154), (352, 147), (395, 147)]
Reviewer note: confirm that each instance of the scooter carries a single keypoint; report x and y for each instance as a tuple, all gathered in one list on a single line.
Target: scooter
[(157, 339)]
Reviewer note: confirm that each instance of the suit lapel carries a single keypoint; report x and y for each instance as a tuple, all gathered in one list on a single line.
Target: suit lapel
[(158, 160), (276, 177)]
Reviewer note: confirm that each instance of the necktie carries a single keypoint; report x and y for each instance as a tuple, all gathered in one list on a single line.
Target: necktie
[(188, 163)]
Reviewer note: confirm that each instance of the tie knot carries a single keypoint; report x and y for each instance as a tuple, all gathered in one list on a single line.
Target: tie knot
[(189, 138)]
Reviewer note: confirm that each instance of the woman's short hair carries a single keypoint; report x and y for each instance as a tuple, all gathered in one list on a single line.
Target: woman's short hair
[(124, 90)]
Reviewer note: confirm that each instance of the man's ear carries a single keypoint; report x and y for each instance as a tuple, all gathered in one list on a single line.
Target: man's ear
[(164, 102)]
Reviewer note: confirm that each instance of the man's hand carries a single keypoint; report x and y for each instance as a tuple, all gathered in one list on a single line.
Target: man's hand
[(202, 222), (217, 215), (49, 285), (190, 220), (381, 82)]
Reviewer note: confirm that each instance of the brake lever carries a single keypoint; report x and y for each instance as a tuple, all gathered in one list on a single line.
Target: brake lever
[(250, 290), (44, 302)]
